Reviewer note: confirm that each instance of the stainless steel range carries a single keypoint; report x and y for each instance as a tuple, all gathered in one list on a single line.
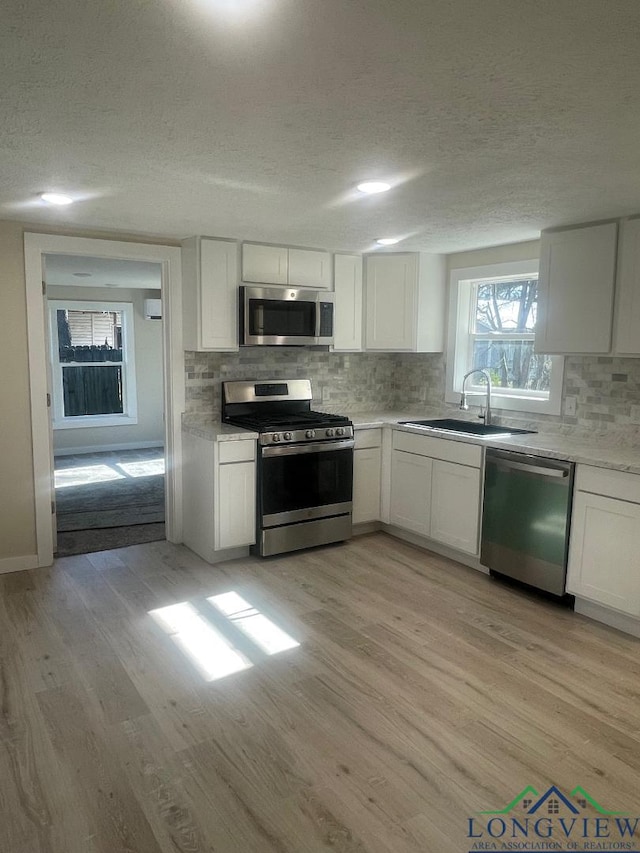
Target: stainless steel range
[(305, 464)]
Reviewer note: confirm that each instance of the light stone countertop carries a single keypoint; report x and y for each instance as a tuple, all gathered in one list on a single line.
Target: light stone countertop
[(600, 452), (204, 426)]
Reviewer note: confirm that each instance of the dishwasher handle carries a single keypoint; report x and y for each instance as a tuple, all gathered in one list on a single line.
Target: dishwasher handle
[(529, 463), (530, 469)]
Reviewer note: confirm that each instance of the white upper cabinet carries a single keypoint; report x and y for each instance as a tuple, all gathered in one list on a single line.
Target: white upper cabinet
[(281, 265), (265, 264), (404, 302), (576, 289), (310, 268), (210, 278), (347, 331), (627, 326)]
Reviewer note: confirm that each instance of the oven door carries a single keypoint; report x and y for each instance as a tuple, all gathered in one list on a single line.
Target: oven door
[(305, 481)]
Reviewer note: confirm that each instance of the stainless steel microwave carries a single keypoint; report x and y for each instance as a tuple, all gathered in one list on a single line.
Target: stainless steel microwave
[(285, 316)]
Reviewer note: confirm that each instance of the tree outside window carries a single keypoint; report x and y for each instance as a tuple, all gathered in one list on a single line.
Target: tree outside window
[(503, 329), (492, 318)]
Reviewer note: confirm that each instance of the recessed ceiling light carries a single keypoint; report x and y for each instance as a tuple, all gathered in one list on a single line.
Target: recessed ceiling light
[(56, 198), (387, 241), (82, 274), (371, 187)]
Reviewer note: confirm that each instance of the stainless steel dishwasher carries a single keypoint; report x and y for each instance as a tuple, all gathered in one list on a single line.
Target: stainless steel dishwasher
[(526, 518)]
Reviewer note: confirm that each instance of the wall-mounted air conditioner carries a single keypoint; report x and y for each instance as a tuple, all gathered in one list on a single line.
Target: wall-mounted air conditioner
[(153, 309)]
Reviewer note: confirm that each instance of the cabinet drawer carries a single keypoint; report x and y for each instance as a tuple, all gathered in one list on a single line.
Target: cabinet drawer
[(368, 438), (438, 448), (237, 451), (602, 481)]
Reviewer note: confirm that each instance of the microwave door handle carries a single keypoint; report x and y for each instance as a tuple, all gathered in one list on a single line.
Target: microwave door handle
[(260, 319)]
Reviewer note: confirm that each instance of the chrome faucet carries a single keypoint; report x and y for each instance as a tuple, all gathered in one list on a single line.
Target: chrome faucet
[(486, 417)]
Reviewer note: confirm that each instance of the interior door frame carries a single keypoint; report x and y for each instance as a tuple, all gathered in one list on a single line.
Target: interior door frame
[(169, 257)]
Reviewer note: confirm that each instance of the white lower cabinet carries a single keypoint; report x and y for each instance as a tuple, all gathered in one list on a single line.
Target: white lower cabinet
[(367, 464), (604, 552), (455, 505), (367, 475), (236, 505), (219, 486), (436, 489), (411, 492)]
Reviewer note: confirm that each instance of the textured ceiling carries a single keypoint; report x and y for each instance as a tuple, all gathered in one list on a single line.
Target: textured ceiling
[(255, 118), (101, 272)]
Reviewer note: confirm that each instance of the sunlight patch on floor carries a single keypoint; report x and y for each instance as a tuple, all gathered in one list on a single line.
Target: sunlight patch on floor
[(208, 646), (253, 624), (85, 475), (144, 468), (212, 654)]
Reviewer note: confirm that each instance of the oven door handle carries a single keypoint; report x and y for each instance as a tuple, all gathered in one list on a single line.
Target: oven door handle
[(316, 447)]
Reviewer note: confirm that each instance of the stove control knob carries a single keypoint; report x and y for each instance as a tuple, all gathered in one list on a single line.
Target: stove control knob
[(275, 437), (310, 433), (287, 436), (330, 433), (340, 431)]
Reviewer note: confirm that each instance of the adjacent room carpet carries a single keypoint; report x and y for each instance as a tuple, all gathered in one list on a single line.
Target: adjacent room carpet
[(83, 503), (107, 538), (109, 500)]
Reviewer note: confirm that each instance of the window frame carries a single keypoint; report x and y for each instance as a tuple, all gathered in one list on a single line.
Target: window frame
[(460, 342), (129, 416)]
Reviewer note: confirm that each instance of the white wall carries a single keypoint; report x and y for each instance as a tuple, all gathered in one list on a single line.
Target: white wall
[(494, 255), (148, 355)]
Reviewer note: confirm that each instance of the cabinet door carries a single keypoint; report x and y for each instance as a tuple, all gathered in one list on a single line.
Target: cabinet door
[(264, 264), (366, 484), (348, 303), (218, 295), (575, 290), (455, 505), (310, 268), (391, 292), (236, 505), (627, 332), (411, 492), (603, 554)]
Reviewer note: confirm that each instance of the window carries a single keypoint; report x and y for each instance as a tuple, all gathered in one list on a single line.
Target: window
[(493, 314), (92, 357)]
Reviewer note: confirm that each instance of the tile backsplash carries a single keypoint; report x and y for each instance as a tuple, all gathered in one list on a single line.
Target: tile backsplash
[(353, 381), (607, 390)]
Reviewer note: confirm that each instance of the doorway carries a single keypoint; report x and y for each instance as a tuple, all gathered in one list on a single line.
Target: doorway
[(88, 389), (107, 412)]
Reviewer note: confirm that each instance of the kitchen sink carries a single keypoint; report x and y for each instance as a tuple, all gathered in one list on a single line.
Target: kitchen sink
[(467, 427)]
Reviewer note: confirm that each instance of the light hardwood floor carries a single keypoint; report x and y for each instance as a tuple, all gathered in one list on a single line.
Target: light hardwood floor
[(421, 692)]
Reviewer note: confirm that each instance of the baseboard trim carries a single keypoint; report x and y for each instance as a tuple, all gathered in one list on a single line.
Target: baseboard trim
[(437, 547), (366, 527), (104, 448), (621, 621), (18, 564), (213, 557)]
